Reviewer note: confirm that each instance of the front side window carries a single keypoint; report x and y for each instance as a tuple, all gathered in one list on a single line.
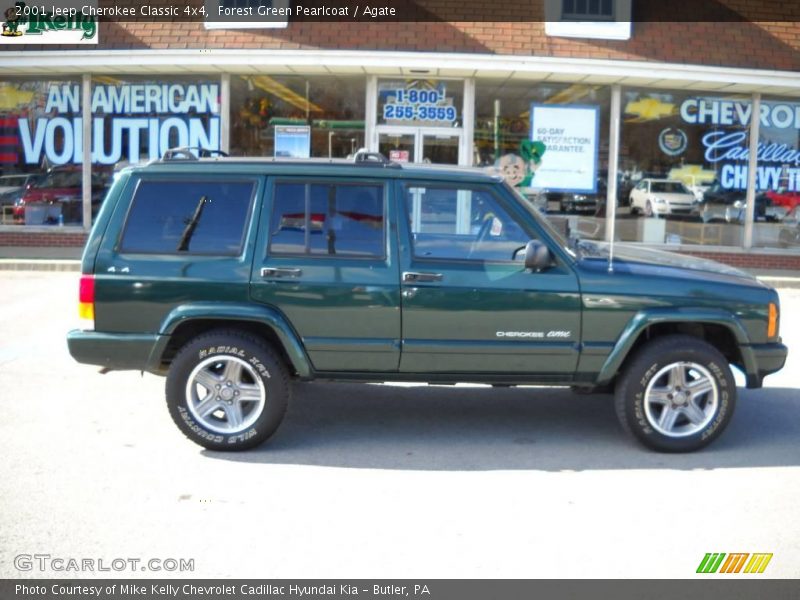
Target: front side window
[(193, 217), (461, 223), (328, 219)]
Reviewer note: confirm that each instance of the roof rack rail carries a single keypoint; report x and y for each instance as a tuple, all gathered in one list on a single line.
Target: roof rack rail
[(188, 153), (371, 158)]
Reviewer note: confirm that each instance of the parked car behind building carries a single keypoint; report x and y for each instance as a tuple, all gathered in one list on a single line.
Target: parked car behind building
[(661, 197)]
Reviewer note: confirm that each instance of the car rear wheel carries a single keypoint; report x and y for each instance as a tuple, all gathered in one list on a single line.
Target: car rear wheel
[(227, 390), (677, 395)]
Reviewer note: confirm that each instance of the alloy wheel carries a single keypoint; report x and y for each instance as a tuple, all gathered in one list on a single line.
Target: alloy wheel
[(681, 399), (225, 394)]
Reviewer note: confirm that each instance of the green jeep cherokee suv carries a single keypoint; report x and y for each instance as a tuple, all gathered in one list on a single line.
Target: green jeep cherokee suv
[(235, 277)]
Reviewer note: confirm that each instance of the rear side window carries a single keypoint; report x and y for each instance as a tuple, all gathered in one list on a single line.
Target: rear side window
[(328, 219), (192, 217)]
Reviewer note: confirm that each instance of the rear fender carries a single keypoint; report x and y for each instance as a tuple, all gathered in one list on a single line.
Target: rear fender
[(222, 312)]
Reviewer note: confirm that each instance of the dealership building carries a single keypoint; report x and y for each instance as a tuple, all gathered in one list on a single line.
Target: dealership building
[(586, 113)]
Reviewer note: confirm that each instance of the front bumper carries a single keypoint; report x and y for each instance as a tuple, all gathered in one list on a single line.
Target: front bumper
[(768, 358), (116, 351)]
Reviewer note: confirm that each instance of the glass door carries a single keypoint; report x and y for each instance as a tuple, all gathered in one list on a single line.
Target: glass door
[(398, 145), (440, 148), (420, 145)]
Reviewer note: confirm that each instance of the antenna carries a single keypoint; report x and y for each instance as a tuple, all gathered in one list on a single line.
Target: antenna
[(611, 250)]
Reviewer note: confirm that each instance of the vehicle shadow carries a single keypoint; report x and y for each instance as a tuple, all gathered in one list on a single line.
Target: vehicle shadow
[(443, 428)]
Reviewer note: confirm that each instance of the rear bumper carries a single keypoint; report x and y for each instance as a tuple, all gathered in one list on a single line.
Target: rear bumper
[(769, 358), (117, 351)]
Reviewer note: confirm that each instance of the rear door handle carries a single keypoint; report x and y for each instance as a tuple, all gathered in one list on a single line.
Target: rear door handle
[(273, 272), (412, 277)]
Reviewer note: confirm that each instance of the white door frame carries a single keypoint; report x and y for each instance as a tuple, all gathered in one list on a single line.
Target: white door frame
[(419, 134), (464, 133), (457, 133)]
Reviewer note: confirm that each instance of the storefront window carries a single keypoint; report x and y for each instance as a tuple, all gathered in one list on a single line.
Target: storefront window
[(297, 116), (420, 120), (550, 140), (137, 119), (683, 168), (40, 152), (778, 175), (420, 102)]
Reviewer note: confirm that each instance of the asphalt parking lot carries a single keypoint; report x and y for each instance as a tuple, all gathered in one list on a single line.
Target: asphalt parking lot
[(380, 481)]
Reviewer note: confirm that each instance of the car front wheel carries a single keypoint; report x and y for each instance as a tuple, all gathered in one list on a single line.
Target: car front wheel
[(677, 395), (227, 390)]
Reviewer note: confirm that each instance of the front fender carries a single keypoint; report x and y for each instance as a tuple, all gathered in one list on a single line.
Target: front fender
[(644, 318), (225, 311)]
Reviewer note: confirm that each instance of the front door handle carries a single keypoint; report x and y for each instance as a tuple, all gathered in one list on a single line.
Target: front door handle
[(273, 272), (412, 277)]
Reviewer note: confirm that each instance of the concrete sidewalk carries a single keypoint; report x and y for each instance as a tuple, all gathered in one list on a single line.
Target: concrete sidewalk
[(39, 253)]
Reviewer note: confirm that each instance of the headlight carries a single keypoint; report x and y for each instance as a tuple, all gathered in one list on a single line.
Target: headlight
[(580, 197), (659, 200), (738, 204)]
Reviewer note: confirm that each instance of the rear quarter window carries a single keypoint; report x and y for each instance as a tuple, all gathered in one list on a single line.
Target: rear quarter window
[(188, 217)]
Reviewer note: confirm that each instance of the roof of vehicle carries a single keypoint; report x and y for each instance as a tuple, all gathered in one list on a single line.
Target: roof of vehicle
[(315, 166)]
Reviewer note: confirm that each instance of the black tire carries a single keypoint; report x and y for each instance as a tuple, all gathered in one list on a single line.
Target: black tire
[(643, 419), (263, 374)]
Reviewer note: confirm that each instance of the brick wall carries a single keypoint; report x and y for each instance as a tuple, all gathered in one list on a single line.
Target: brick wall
[(788, 262), (726, 36), (47, 239)]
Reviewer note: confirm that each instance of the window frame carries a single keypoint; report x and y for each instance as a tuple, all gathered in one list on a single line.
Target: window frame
[(252, 179), (355, 181), (511, 211), (616, 28), (588, 16)]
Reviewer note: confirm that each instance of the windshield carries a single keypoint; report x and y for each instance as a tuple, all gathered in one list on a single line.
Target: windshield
[(542, 220), (669, 187)]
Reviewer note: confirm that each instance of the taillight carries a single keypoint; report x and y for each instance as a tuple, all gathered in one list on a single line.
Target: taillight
[(772, 322), (86, 298)]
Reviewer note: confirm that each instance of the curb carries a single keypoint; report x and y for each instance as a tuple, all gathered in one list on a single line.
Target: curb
[(32, 264), (780, 282)]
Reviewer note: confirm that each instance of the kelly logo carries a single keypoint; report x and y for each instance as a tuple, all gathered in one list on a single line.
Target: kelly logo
[(31, 24), (737, 562)]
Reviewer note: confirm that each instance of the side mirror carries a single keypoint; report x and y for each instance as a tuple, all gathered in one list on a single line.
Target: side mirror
[(537, 256)]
